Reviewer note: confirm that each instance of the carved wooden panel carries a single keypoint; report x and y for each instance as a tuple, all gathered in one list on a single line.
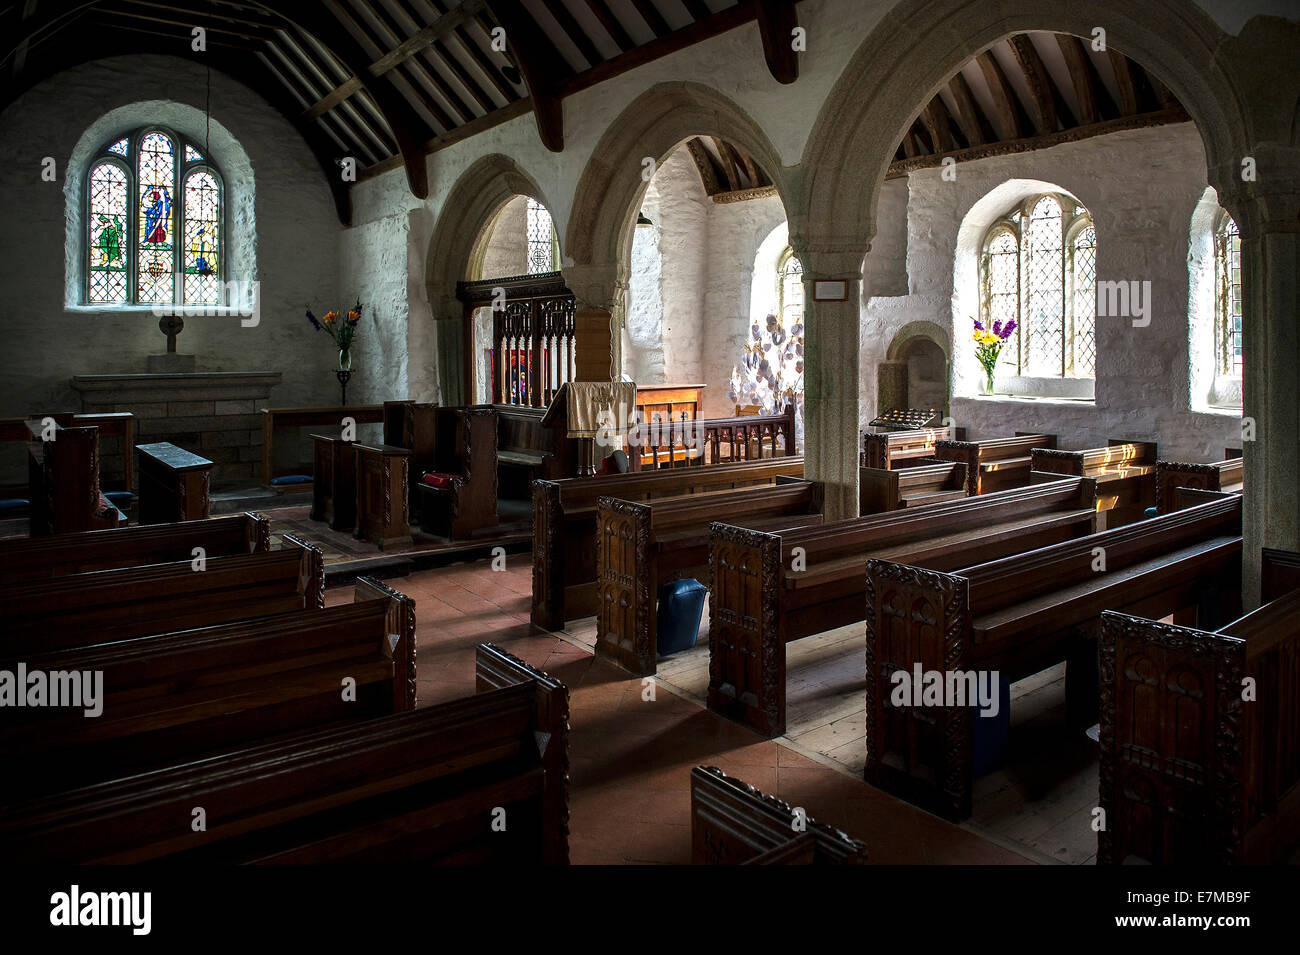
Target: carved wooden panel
[(548, 580), (624, 622), (923, 753), (746, 649)]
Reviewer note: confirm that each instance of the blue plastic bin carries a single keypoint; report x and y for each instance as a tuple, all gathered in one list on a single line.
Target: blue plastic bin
[(681, 608)]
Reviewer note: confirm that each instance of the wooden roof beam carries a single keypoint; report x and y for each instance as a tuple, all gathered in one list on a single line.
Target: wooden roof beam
[(570, 27), (1011, 115), (538, 60), (1052, 113), (1095, 101), (704, 163), (776, 23), (652, 17), (938, 124), (611, 25), (974, 124)]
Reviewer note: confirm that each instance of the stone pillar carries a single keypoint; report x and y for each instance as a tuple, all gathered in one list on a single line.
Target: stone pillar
[(602, 287), (831, 375), (1270, 256)]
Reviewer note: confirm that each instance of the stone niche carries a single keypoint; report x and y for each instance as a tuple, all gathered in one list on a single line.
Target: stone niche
[(214, 414)]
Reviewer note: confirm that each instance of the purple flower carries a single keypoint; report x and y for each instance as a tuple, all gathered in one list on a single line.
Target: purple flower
[(312, 318), (1011, 327), (997, 327), (979, 326)]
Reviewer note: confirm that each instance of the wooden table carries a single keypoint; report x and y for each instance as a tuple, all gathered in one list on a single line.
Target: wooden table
[(383, 494), (174, 484)]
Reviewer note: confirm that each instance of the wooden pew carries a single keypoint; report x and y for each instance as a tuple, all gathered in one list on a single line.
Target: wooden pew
[(63, 481), (279, 419), (564, 524), (997, 463), (760, 602), (174, 484), (413, 425), (78, 610), (890, 450), (419, 786), (383, 495), (183, 695), (334, 482), (118, 424), (642, 544), (465, 464), (1225, 475), (1017, 616), (1192, 773), (732, 823), (532, 445), (23, 558), (1125, 473), (922, 481)]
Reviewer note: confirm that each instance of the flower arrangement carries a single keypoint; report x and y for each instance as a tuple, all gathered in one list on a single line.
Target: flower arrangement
[(770, 374), (988, 345), (341, 330)]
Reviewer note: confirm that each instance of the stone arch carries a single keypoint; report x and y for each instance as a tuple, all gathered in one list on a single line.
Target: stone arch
[(471, 205), (920, 43), (905, 378), (603, 220)]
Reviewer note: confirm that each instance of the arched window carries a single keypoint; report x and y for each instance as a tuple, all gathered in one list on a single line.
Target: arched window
[(541, 239), (1038, 267), (1227, 273), (789, 288), (154, 208)]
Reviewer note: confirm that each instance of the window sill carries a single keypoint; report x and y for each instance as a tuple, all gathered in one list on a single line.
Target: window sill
[(1029, 399), (185, 311)]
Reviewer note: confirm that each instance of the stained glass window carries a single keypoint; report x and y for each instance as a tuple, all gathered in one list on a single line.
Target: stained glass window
[(107, 260), (154, 223), (541, 239), (790, 289), (1039, 267), (1228, 273)]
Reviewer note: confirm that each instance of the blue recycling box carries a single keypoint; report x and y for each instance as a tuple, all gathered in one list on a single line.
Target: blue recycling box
[(681, 607)]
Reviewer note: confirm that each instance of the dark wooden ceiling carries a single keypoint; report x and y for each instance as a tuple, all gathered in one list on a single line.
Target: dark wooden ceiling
[(385, 82), (1030, 91)]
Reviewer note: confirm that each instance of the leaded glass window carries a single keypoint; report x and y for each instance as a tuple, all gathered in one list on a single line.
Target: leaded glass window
[(541, 239), (790, 289), (1227, 243), (155, 216), (1039, 267)]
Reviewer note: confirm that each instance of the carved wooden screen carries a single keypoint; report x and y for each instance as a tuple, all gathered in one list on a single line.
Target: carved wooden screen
[(533, 350)]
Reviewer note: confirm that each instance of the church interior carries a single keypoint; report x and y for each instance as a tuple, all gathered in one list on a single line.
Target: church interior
[(650, 432)]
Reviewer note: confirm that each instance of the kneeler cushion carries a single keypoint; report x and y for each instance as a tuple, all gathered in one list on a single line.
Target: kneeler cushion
[(14, 504), (438, 479), (681, 607), (288, 479)]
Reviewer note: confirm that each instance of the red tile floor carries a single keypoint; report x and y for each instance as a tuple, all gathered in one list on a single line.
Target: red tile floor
[(630, 759)]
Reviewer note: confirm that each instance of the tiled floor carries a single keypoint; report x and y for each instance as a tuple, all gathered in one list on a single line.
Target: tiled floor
[(631, 756)]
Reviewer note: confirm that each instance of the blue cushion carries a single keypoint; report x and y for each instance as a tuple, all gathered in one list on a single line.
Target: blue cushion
[(681, 607), (121, 499), (14, 504), (1150, 512), (287, 479), (991, 733)]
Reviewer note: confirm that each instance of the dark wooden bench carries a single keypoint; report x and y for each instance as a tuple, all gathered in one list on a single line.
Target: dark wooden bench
[(1017, 616), (1192, 773), (35, 558), (997, 463), (1125, 473), (643, 544), (1226, 475), (533, 444), (182, 695), (63, 481), (465, 465), (413, 425), (732, 823), (297, 477), (78, 610), (174, 484), (334, 482), (891, 450), (564, 524), (383, 495), (473, 781), (760, 601), (922, 481)]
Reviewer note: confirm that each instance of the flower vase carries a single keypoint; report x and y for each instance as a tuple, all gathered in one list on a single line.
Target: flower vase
[(345, 360), (987, 384)]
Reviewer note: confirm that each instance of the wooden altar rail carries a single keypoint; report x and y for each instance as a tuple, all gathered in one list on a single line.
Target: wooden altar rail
[(274, 419), (714, 440), (1191, 772)]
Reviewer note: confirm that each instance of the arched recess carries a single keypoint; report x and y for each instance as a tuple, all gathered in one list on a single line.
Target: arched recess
[(598, 239), (1221, 80), (916, 369), (471, 205)]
